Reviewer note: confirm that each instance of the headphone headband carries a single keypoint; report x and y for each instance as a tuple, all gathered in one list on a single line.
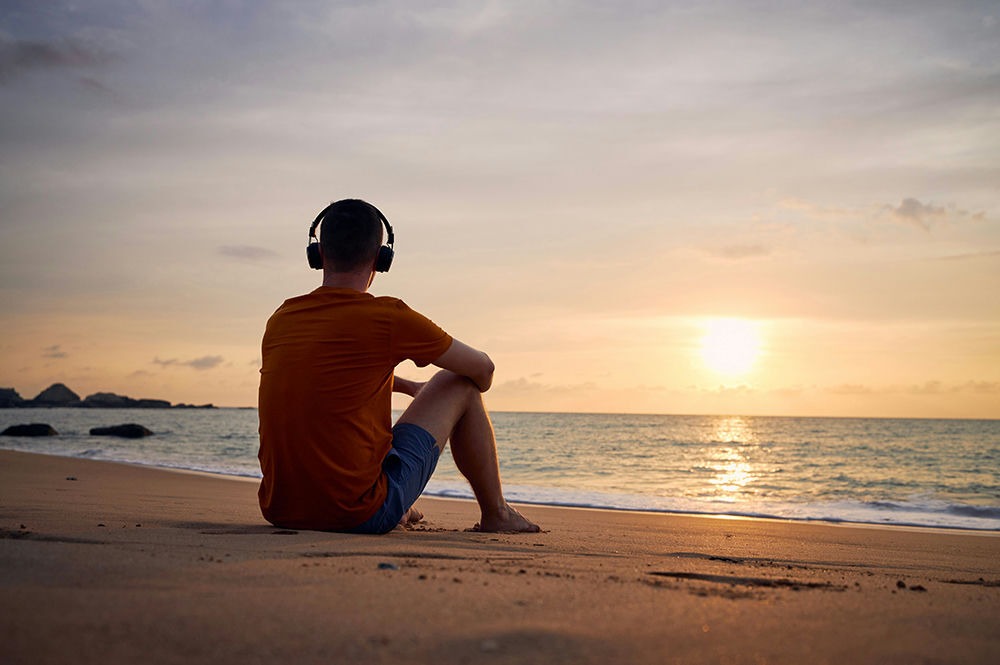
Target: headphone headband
[(385, 253)]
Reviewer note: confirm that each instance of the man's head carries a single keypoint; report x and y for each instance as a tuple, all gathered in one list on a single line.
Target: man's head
[(350, 236)]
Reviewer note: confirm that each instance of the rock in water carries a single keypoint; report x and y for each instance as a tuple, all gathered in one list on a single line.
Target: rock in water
[(128, 430), (34, 429)]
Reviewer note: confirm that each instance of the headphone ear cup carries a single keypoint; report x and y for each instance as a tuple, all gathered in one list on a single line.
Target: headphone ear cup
[(384, 260), (314, 256)]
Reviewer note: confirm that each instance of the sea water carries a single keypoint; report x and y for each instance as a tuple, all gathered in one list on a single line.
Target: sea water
[(918, 472)]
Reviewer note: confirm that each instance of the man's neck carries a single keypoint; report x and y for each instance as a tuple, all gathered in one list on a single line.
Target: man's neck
[(356, 281)]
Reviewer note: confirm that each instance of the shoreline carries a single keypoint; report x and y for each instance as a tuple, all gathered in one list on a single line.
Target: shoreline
[(108, 563), (571, 506)]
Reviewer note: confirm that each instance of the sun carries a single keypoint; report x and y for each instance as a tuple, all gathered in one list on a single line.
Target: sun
[(730, 346)]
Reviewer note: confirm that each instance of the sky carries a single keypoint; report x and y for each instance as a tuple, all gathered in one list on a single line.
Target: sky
[(753, 208)]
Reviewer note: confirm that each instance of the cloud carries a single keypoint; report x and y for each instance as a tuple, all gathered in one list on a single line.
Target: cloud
[(96, 86), (850, 389), (981, 387), (741, 390), (912, 211), (925, 215), (19, 56), (740, 252), (522, 385), (928, 388), (817, 211), (247, 252), (205, 362), (53, 351), (970, 256)]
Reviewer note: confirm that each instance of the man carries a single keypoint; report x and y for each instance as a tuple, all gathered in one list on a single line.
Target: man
[(330, 457)]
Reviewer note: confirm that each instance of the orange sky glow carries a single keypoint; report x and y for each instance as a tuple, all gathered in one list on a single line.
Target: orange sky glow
[(699, 208)]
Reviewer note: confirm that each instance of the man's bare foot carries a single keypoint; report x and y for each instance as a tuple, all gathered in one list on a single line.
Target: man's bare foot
[(507, 521), (411, 517)]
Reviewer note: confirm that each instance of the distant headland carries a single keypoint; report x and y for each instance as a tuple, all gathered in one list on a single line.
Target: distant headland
[(58, 395)]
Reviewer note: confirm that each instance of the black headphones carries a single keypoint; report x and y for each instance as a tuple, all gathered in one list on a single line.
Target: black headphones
[(385, 253)]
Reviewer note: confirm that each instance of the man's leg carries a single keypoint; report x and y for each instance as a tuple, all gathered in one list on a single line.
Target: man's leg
[(451, 407)]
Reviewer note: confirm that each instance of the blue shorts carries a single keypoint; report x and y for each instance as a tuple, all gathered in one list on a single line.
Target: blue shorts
[(407, 468)]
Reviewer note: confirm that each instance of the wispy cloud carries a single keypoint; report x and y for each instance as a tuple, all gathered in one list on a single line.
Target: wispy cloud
[(910, 211), (818, 211), (924, 389), (19, 56), (96, 86), (923, 215), (850, 389), (926, 215), (54, 351), (524, 386), (969, 256), (739, 252), (247, 252), (205, 362)]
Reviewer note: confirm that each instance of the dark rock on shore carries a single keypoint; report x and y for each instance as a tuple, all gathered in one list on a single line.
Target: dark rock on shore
[(128, 431), (34, 429)]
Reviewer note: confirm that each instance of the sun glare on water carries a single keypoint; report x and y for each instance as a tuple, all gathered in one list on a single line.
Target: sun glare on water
[(730, 346)]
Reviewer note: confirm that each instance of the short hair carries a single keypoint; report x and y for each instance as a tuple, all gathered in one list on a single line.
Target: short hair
[(350, 235)]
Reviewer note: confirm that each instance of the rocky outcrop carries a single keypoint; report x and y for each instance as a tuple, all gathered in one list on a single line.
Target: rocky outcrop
[(9, 398), (106, 400), (56, 395), (128, 431), (34, 429), (147, 403), (113, 401)]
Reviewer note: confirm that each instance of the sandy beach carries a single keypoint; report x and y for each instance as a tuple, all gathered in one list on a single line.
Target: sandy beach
[(110, 563)]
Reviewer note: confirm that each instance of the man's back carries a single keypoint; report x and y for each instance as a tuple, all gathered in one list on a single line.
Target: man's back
[(328, 455), (325, 403)]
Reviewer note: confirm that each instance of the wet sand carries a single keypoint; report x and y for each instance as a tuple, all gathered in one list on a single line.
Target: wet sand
[(110, 563)]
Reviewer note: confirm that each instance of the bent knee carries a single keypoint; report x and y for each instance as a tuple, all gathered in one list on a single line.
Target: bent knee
[(456, 383)]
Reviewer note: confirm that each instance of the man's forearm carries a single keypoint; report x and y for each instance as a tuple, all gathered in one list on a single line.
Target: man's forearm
[(405, 386), (466, 361)]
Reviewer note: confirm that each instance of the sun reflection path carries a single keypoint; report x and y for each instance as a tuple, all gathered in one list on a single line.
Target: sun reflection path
[(735, 429), (734, 472)]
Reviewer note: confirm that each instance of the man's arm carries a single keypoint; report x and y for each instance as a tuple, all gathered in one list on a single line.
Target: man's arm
[(406, 386), (468, 362)]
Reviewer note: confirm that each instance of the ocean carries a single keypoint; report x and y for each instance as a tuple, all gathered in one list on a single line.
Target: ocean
[(913, 472)]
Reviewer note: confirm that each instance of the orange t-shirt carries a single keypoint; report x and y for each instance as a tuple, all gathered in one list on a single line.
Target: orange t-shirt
[(325, 403)]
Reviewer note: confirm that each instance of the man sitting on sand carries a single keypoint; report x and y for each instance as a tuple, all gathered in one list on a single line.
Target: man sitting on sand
[(330, 457)]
